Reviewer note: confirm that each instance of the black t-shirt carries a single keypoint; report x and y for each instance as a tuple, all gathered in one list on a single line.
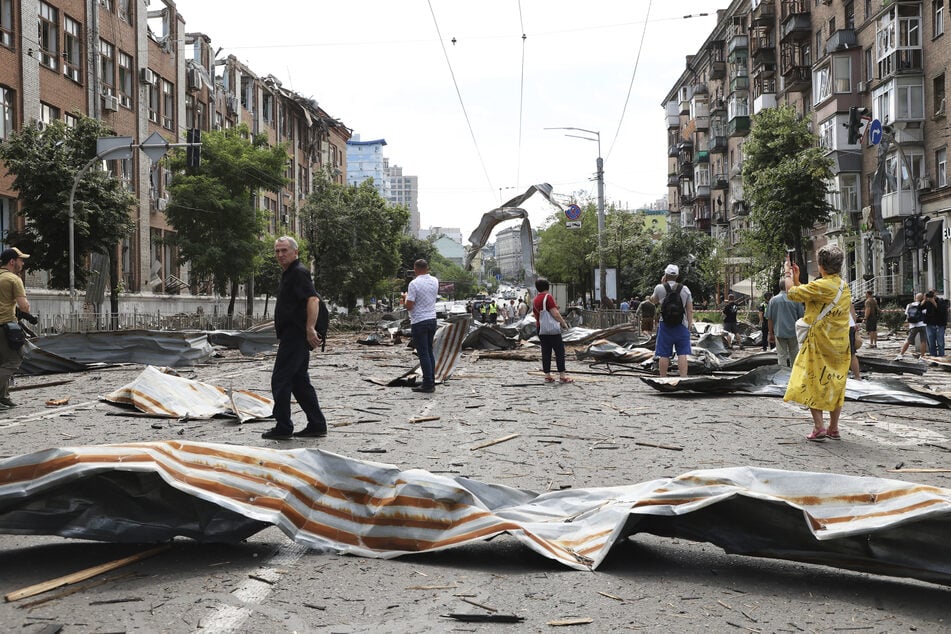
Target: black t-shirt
[(729, 313), (290, 308)]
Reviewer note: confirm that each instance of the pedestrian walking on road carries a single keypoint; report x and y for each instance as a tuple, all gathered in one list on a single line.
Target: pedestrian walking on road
[(822, 366), (936, 321), (730, 310), (648, 312), (676, 319), (915, 316), (870, 316), (421, 304), (763, 326), (550, 323), (12, 297), (781, 316), (295, 322)]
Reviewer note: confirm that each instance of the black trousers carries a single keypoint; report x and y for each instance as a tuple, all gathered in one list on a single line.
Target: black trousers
[(291, 376)]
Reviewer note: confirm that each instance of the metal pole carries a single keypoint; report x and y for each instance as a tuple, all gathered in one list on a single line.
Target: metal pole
[(603, 272), (72, 241)]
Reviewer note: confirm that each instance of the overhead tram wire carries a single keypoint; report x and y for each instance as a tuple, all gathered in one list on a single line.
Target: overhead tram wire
[(459, 95), (630, 86), (521, 102)]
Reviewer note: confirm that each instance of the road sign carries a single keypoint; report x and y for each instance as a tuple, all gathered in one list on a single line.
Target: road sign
[(573, 224), (573, 212), (875, 132)]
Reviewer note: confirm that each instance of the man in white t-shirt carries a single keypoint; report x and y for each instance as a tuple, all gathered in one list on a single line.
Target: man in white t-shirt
[(421, 304), (915, 316)]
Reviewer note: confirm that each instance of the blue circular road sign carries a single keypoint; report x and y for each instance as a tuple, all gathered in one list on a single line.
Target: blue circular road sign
[(875, 132), (573, 212)]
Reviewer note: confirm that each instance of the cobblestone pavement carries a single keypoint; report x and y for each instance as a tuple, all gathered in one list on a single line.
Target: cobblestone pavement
[(603, 430)]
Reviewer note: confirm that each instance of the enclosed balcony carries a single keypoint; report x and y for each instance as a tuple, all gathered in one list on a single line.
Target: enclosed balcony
[(795, 21), (721, 181), (739, 126), (672, 150), (702, 156), (717, 70), (740, 82), (673, 180), (717, 144), (764, 101)]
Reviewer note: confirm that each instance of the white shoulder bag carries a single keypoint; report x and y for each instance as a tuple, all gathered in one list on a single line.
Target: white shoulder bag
[(546, 323)]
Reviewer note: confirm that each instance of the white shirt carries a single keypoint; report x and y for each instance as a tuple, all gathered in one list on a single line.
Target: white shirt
[(422, 291)]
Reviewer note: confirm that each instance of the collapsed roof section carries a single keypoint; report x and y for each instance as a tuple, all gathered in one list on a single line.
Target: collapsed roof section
[(140, 492)]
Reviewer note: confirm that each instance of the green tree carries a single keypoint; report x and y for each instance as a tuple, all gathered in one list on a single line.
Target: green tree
[(625, 241), (218, 227), (692, 251), (785, 181), (354, 238), (44, 166)]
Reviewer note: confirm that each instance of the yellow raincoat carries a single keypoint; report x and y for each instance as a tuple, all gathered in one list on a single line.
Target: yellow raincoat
[(822, 366)]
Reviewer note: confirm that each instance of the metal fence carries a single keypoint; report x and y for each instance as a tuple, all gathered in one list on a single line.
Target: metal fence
[(93, 322)]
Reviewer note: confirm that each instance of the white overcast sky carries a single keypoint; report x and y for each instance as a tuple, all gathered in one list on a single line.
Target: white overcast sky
[(379, 67)]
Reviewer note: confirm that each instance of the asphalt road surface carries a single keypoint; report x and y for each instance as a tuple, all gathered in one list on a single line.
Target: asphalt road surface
[(596, 432)]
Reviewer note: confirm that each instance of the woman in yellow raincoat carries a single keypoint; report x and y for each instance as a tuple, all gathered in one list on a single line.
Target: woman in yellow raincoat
[(822, 365)]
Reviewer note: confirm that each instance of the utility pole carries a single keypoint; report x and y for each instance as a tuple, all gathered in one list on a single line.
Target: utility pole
[(602, 272)]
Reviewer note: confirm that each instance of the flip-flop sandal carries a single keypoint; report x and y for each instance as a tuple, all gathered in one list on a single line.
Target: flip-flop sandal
[(566, 379), (549, 379)]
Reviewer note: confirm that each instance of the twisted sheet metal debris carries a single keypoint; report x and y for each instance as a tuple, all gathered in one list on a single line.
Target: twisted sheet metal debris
[(162, 392), (154, 491), (155, 347), (772, 381), (447, 347)]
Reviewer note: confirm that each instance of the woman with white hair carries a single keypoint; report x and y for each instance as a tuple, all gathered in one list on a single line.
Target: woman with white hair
[(822, 366)]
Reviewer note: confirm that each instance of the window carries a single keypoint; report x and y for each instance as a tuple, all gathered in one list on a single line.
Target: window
[(125, 10), (48, 37), (822, 87), (848, 194), (267, 108), (71, 120), (850, 15), (818, 43), (882, 103), (108, 5), (48, 114), (937, 11), (153, 103), (941, 167), (911, 100), (937, 89), (107, 67), (869, 65), (831, 26), (6, 23), (827, 131), (868, 9), (168, 105), (7, 100), (189, 111), (894, 167), (126, 74), (842, 73), (72, 49)]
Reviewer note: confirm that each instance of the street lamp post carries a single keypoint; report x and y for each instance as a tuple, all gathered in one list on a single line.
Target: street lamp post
[(602, 272)]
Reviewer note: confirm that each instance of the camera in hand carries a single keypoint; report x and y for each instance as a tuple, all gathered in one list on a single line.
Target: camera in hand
[(27, 316)]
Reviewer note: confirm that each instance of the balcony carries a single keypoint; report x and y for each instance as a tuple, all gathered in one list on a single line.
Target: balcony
[(764, 14), (717, 105), (797, 78), (673, 121), (702, 157), (739, 83), (721, 182), (703, 191), (841, 39), (717, 145), (685, 106), (738, 126), (797, 27), (737, 43), (766, 100), (717, 70), (686, 171), (672, 151), (762, 46), (898, 205), (906, 60), (673, 180), (764, 70)]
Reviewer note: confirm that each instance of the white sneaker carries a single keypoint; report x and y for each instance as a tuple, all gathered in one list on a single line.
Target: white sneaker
[(898, 358)]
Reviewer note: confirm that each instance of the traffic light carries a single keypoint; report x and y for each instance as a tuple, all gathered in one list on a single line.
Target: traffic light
[(910, 231), (922, 230), (855, 124), (193, 151)]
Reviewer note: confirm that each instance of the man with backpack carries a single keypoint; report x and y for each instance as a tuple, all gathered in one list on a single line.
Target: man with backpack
[(676, 319), (296, 315), (915, 314)]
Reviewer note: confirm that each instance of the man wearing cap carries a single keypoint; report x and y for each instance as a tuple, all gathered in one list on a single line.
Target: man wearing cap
[(670, 336), (12, 296)]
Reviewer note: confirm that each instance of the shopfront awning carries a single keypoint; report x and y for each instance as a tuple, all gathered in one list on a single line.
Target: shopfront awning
[(933, 233), (747, 287), (897, 247)]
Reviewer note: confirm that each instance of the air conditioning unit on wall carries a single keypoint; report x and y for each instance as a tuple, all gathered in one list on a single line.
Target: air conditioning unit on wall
[(149, 76), (162, 203), (110, 103), (863, 86)]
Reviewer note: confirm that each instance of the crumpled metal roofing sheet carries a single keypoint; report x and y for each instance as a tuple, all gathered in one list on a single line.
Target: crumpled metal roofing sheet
[(159, 391), (324, 500), (156, 347)]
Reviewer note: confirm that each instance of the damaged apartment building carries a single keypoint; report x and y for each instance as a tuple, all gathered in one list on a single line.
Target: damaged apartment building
[(885, 61), (133, 65)]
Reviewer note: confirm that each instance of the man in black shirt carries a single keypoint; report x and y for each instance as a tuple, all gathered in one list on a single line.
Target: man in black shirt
[(295, 320)]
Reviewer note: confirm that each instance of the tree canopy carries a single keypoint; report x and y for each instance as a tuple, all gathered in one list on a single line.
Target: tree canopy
[(353, 237), (44, 165), (218, 228), (785, 182)]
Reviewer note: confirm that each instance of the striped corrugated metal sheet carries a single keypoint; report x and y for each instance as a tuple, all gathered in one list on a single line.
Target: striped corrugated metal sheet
[(323, 500), (162, 392)]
